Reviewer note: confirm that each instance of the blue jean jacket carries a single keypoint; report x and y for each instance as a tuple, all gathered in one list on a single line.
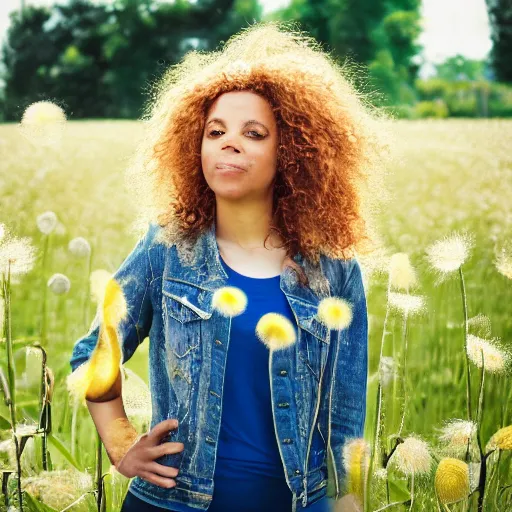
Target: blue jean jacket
[(317, 383)]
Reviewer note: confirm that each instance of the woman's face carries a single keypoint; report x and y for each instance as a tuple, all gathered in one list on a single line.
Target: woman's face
[(240, 130)]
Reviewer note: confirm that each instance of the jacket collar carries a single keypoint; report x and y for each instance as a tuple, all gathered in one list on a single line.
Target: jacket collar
[(198, 264)]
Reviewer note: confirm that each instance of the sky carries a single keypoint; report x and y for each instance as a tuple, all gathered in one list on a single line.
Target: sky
[(450, 27)]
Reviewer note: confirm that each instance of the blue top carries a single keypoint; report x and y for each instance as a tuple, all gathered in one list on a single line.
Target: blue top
[(248, 466)]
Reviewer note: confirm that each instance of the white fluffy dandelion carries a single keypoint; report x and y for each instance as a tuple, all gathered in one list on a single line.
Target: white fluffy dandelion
[(59, 284), (46, 222), (401, 273), (495, 359), (405, 303), (79, 247), (18, 254), (43, 123), (412, 456), (458, 434), (387, 370), (448, 254), (503, 263)]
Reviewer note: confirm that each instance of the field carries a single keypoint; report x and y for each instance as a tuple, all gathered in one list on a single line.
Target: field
[(451, 176)]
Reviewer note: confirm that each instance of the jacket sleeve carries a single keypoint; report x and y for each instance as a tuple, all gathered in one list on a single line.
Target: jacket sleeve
[(346, 372), (134, 275)]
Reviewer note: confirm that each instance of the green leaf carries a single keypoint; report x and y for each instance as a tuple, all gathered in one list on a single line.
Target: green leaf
[(59, 445), (5, 424), (398, 490), (35, 505)]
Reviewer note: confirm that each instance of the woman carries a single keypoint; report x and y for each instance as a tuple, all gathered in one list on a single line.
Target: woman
[(246, 283)]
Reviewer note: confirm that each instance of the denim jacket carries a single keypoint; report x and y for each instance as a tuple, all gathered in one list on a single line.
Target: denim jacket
[(317, 383)]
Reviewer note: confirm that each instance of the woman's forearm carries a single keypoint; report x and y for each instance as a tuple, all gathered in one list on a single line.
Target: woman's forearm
[(109, 416)]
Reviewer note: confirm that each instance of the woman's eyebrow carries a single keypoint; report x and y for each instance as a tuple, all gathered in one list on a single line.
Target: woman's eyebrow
[(251, 121)]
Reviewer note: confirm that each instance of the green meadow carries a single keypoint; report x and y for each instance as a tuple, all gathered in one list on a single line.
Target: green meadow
[(448, 176)]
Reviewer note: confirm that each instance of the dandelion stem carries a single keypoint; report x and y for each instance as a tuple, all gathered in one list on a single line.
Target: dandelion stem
[(404, 375), (44, 286), (412, 491), (466, 357), (11, 382)]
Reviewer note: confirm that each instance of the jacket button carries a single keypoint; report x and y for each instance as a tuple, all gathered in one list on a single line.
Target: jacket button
[(297, 471), (287, 440), (283, 373), (283, 405)]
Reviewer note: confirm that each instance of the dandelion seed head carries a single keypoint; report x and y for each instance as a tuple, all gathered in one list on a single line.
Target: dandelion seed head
[(401, 273), (275, 331), (46, 222), (405, 303), (229, 301), (452, 480), (387, 370), (503, 261), (448, 254), (59, 284), (480, 325), (79, 247), (43, 123), (335, 313), (502, 439), (18, 254), (458, 434), (495, 360), (25, 429), (98, 282), (136, 398), (381, 474), (413, 456)]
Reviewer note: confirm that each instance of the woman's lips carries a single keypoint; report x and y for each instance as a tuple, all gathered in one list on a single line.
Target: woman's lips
[(229, 168)]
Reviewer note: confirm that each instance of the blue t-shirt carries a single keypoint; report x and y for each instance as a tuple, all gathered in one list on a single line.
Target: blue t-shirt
[(248, 467)]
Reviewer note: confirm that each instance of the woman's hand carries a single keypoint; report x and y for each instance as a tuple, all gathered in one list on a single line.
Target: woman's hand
[(139, 460)]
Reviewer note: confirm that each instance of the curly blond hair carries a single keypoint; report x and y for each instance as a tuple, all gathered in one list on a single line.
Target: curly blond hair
[(329, 141)]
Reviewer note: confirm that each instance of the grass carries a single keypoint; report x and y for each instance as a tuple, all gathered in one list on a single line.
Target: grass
[(452, 175)]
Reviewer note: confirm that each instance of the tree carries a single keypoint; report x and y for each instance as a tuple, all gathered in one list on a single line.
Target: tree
[(500, 18)]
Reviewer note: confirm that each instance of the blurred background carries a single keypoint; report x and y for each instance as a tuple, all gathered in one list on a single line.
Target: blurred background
[(95, 58)]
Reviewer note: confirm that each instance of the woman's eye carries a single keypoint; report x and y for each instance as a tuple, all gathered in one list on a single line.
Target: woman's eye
[(258, 135)]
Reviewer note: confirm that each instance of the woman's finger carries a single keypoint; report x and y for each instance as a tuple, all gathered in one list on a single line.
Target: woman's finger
[(165, 449), (160, 469), (152, 478)]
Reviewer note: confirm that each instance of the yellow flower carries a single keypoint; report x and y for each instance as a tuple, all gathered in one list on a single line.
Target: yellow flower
[(335, 313), (356, 455), (501, 439), (452, 480), (94, 378), (275, 331), (229, 301)]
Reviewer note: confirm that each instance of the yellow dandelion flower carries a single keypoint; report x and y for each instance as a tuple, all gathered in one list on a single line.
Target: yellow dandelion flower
[(335, 313), (229, 301), (94, 378), (502, 439), (401, 272), (275, 331), (495, 360), (356, 454), (452, 480)]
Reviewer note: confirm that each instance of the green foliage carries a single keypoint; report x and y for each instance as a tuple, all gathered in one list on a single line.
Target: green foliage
[(436, 108), (500, 18)]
